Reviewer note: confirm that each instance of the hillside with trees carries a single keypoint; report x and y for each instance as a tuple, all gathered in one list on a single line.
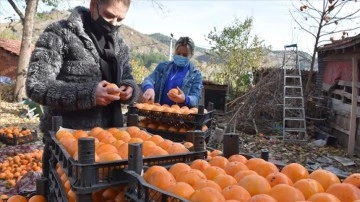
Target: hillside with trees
[(140, 44)]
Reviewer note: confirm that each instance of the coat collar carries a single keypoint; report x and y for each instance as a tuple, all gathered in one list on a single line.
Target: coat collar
[(76, 20)]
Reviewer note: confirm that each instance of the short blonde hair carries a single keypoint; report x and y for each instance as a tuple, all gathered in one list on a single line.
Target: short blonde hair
[(188, 43)]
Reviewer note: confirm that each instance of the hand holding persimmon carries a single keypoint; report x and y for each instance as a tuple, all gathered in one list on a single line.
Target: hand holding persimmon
[(125, 92), (174, 91), (114, 89), (176, 95), (106, 93)]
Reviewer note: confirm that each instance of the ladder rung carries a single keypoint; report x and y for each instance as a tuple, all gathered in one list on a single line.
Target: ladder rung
[(293, 108), (294, 45), (293, 76), (293, 97), (294, 119), (295, 129), (294, 86)]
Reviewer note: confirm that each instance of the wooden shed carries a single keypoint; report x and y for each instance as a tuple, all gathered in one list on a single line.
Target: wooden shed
[(9, 57), (338, 80)]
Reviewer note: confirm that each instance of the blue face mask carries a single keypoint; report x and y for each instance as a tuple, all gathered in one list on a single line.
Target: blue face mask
[(180, 61)]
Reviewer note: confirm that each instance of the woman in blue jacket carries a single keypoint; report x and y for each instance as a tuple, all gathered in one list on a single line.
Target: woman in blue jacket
[(179, 73)]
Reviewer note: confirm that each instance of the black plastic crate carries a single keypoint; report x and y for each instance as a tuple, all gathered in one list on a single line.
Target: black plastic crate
[(197, 119), (86, 177), (19, 140), (56, 189), (140, 191), (177, 137), (176, 158)]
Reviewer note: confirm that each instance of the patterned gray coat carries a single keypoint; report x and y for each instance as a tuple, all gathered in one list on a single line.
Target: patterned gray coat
[(64, 72)]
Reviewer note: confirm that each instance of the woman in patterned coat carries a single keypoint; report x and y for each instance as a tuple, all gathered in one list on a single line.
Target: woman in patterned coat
[(73, 62)]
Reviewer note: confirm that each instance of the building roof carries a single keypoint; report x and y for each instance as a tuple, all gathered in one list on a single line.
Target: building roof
[(12, 46), (349, 44)]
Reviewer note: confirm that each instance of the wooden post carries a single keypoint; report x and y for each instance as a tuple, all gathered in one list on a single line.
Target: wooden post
[(354, 99)]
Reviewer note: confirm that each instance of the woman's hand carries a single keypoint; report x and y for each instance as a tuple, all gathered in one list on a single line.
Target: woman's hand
[(177, 98), (126, 92), (104, 95), (149, 96)]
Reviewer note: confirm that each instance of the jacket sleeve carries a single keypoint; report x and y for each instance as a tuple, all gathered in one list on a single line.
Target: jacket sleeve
[(149, 81), (43, 85), (195, 92)]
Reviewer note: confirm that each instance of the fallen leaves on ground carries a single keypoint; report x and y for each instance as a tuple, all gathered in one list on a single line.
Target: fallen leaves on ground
[(308, 155)]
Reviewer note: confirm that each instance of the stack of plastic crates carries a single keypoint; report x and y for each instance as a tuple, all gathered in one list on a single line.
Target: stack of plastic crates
[(87, 176)]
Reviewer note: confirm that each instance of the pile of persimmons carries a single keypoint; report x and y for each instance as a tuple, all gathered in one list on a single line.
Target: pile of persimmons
[(176, 109), (19, 198), (14, 131), (112, 144), (14, 168), (174, 127), (236, 178)]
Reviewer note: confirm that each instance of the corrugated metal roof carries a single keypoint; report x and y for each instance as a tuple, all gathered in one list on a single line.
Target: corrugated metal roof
[(341, 44), (12, 46)]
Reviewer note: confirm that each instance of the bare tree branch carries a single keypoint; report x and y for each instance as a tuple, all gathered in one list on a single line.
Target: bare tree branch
[(322, 21), (159, 6), (301, 26), (17, 10), (309, 16), (347, 17)]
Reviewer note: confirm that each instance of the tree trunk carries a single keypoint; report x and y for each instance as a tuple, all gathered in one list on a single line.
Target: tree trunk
[(310, 74), (313, 57), (25, 50)]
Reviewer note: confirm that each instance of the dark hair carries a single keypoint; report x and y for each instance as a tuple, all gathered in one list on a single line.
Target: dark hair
[(186, 41)]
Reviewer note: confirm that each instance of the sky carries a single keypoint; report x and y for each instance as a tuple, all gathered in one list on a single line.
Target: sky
[(196, 18)]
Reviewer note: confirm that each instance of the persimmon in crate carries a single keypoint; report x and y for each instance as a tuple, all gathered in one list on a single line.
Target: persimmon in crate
[(14, 135)]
